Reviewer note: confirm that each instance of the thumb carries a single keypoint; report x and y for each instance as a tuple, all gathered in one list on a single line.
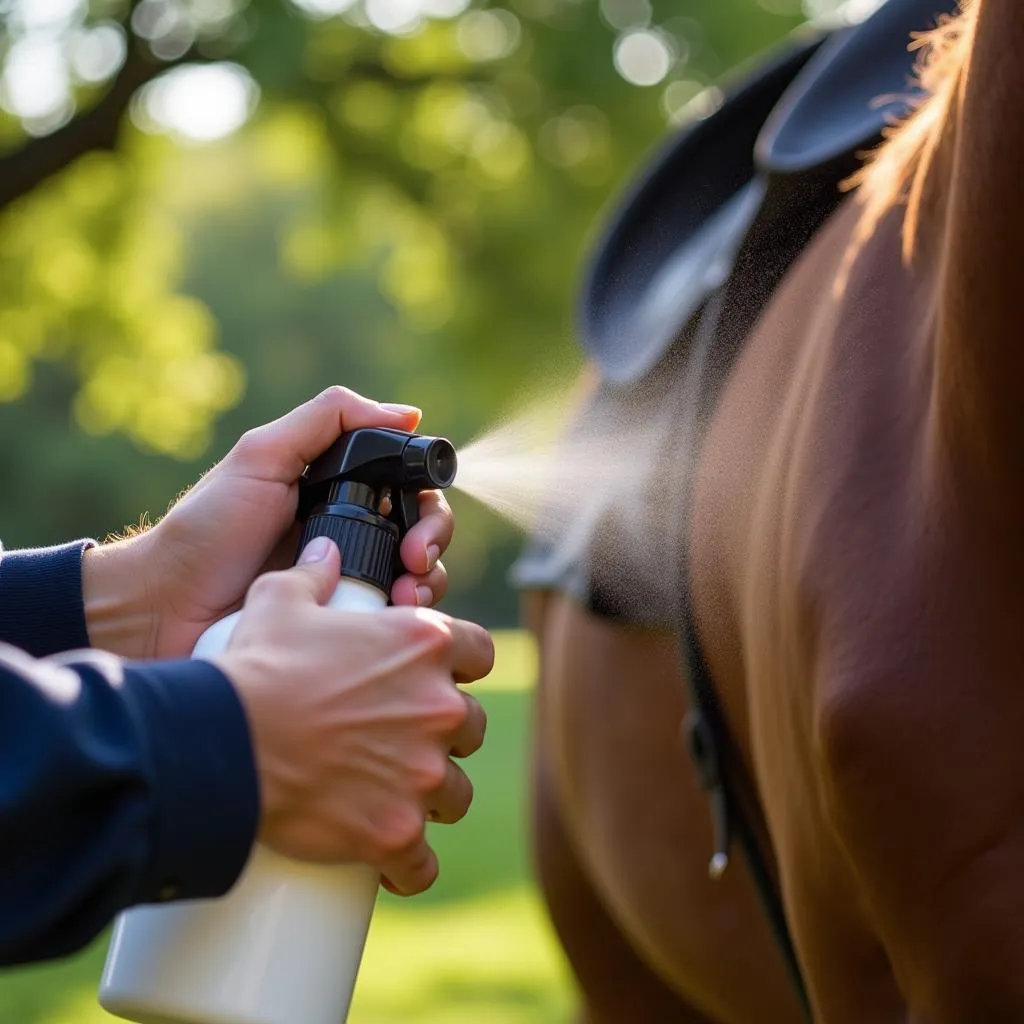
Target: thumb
[(282, 449), (319, 567)]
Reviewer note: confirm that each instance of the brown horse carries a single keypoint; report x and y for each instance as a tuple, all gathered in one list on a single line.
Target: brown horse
[(857, 571)]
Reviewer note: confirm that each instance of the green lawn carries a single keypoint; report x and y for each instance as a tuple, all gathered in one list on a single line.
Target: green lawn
[(476, 949)]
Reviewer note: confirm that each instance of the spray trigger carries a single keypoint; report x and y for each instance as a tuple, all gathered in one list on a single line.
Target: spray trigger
[(364, 493)]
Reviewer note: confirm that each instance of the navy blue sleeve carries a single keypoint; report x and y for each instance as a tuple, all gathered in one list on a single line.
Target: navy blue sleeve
[(120, 783), (41, 607)]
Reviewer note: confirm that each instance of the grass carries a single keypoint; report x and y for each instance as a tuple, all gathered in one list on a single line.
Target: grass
[(475, 949)]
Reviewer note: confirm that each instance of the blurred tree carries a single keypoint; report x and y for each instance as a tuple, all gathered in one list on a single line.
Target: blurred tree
[(404, 211)]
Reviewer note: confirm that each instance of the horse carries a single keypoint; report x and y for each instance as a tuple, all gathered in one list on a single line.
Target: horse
[(852, 564)]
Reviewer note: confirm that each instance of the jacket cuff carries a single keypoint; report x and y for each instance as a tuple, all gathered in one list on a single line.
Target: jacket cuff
[(206, 793), (41, 607)]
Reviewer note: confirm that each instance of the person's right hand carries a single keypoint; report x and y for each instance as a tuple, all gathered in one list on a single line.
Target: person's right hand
[(355, 718)]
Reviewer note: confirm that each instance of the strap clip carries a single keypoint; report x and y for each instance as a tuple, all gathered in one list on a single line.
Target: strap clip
[(700, 740)]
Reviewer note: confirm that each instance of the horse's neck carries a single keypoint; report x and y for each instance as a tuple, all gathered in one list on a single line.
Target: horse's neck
[(979, 371)]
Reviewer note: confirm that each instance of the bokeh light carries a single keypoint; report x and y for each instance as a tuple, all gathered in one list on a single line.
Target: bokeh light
[(626, 14), (323, 8), (395, 17), (96, 53), (35, 84), (847, 10), (199, 102), (643, 58), (489, 35), (443, 8), (45, 15)]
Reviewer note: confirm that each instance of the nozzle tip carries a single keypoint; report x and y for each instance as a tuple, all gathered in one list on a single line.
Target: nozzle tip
[(442, 462)]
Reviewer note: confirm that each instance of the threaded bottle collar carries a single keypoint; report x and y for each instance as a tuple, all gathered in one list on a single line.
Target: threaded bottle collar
[(368, 542)]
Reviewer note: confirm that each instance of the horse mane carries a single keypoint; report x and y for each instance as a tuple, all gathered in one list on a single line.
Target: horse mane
[(900, 170)]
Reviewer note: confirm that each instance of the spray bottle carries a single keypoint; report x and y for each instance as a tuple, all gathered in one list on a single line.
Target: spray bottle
[(284, 945)]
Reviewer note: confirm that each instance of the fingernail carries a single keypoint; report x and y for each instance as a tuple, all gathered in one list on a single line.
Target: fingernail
[(405, 410), (316, 550), (424, 595), (433, 554)]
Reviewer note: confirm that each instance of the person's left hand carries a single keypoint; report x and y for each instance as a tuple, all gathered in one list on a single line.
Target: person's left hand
[(195, 566)]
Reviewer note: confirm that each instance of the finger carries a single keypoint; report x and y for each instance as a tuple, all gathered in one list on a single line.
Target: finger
[(421, 591), (282, 449), (471, 653), (411, 873), (314, 577), (469, 737), (450, 802), (424, 544), (389, 885)]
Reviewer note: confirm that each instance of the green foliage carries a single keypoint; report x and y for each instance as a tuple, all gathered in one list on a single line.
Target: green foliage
[(90, 267), (404, 213)]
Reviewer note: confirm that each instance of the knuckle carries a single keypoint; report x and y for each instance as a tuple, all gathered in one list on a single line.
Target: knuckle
[(449, 707), (250, 444), (434, 631), (431, 773), (402, 833), (335, 395), (272, 586)]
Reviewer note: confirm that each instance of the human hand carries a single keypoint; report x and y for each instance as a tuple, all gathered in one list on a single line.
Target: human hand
[(353, 718), (152, 596)]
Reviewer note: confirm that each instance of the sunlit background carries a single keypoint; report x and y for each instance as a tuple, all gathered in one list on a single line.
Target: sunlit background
[(212, 209)]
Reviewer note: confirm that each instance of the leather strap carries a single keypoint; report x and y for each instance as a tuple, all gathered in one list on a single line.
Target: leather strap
[(736, 812)]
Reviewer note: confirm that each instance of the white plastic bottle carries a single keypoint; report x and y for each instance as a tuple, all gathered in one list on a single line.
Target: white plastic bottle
[(282, 947)]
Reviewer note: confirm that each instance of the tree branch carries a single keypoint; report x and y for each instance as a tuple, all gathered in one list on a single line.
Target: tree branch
[(95, 129), (98, 128)]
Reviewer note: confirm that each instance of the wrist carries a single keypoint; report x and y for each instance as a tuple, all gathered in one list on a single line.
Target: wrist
[(118, 599)]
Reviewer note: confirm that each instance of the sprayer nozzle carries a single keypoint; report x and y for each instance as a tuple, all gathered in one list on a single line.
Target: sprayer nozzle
[(344, 494), (442, 463), (430, 462)]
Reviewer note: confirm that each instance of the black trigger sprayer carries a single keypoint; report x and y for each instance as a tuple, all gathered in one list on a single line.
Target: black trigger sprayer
[(285, 944), (363, 493)]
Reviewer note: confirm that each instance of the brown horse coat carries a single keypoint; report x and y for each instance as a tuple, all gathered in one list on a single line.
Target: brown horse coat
[(858, 576)]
